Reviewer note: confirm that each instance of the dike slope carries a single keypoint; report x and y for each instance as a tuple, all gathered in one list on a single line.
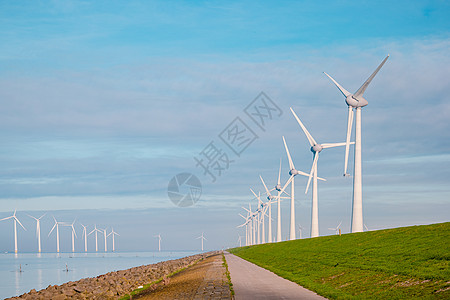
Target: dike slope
[(400, 263)]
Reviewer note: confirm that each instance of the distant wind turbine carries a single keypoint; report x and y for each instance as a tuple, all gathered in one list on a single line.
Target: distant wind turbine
[(104, 235), (202, 237), (96, 240), (57, 232), (15, 228), (159, 241), (336, 230), (38, 230), (240, 240), (74, 235), (84, 234), (356, 101), (113, 233)]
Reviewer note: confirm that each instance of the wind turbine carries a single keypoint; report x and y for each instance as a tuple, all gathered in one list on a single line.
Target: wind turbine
[(159, 241), (356, 101), (96, 240), (336, 229), (38, 230), (57, 232), (113, 233), (106, 244), (15, 228), (292, 172), (261, 211), (248, 229), (300, 229), (202, 237), (270, 197), (240, 240), (74, 235), (84, 234), (316, 148)]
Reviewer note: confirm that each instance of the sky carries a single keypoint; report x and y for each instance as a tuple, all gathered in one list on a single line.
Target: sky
[(102, 103)]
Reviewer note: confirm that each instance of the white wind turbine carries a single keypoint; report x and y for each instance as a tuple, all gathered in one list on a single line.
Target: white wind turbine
[(356, 101), (240, 240), (96, 240), (113, 233), (84, 234), (300, 230), (57, 232), (105, 235), (336, 230), (74, 234), (248, 229), (261, 211), (270, 197), (292, 172), (38, 230), (316, 148), (202, 237), (15, 228), (159, 241)]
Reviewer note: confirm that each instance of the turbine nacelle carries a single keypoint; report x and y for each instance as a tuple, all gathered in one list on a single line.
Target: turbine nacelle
[(278, 187), (355, 102)]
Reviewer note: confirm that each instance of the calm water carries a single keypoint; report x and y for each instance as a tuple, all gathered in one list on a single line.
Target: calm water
[(41, 270)]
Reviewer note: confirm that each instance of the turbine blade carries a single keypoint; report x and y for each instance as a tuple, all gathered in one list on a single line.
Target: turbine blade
[(6, 218), (19, 222), (291, 164), (338, 225), (52, 229), (311, 140), (343, 91), (256, 196), (279, 172), (265, 187), (332, 145), (349, 134), (316, 157), (286, 184), (362, 89)]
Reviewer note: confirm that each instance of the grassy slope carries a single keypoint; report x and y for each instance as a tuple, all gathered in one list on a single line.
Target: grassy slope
[(400, 263)]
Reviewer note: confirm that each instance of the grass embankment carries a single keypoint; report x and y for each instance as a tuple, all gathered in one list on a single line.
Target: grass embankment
[(400, 263)]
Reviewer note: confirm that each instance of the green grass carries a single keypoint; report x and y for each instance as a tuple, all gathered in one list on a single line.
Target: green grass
[(400, 263), (228, 274)]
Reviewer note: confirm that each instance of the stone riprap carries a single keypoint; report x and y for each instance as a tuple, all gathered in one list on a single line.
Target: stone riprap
[(114, 284)]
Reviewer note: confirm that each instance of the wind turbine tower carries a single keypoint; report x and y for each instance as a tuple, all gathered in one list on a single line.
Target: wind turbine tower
[(113, 233), (159, 241), (74, 235), (84, 234), (15, 228), (96, 240), (202, 237), (356, 102), (57, 232)]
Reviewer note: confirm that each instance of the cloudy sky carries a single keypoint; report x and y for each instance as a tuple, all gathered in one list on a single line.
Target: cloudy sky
[(103, 102)]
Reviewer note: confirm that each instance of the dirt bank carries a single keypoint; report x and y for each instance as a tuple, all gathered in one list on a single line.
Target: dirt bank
[(114, 284)]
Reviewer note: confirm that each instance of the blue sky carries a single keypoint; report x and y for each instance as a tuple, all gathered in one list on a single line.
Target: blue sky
[(103, 102)]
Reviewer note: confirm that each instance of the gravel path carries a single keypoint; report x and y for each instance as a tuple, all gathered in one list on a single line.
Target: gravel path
[(253, 282), (204, 280)]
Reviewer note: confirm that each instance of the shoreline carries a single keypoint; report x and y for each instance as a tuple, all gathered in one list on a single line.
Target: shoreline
[(114, 284)]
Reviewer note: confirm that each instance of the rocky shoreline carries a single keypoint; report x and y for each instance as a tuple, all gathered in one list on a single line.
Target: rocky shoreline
[(112, 285)]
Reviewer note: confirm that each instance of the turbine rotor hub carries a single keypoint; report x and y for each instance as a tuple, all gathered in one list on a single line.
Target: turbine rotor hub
[(278, 187), (293, 172), (316, 148)]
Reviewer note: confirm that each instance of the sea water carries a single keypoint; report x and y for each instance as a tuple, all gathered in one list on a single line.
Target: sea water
[(19, 273)]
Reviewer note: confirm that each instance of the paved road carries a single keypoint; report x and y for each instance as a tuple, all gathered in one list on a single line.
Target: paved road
[(253, 282)]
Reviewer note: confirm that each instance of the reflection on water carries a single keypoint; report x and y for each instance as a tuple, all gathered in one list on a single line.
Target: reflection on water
[(19, 273)]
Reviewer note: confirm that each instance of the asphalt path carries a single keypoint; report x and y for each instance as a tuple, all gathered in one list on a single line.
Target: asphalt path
[(253, 282)]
